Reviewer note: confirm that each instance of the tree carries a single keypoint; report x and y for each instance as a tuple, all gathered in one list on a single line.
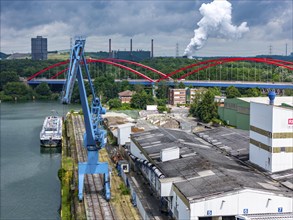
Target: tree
[(18, 90), (253, 92), (8, 76), (43, 89), (138, 88), (161, 102), (232, 92), (197, 98), (215, 91), (125, 85), (162, 109), (288, 92), (106, 87), (114, 103), (207, 109), (162, 91), (140, 100)]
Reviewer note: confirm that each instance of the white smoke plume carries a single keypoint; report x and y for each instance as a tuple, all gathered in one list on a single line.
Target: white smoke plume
[(216, 22)]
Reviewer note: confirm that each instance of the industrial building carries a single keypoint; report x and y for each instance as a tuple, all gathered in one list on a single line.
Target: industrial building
[(176, 96), (236, 111), (132, 55), (271, 134), (195, 180), (39, 48), (218, 173), (187, 96)]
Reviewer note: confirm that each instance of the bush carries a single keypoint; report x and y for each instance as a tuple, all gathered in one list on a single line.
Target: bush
[(18, 90), (162, 109), (161, 102), (216, 122), (43, 90), (126, 106), (55, 96), (114, 103), (124, 189), (5, 98)]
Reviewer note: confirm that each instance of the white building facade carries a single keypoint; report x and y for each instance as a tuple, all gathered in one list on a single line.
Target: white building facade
[(230, 204), (271, 136)]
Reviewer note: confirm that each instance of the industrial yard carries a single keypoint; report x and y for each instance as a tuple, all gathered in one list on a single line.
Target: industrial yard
[(188, 171)]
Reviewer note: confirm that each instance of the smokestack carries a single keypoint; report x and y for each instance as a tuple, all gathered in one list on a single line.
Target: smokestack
[(152, 48), (110, 50), (272, 96), (130, 45)]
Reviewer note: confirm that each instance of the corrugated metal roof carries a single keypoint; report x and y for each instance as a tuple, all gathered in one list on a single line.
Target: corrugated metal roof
[(207, 170)]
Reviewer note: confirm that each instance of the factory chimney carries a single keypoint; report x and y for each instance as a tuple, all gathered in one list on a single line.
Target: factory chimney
[(130, 45), (272, 96), (110, 50), (152, 48)]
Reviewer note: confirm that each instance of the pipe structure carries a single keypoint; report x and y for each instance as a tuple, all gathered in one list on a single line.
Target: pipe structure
[(110, 49), (152, 48)]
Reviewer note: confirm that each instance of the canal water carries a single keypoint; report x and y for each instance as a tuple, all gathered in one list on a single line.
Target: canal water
[(30, 188)]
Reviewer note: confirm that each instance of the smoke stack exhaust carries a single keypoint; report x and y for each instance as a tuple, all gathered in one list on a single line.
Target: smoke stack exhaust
[(110, 49), (152, 48), (130, 45), (216, 22)]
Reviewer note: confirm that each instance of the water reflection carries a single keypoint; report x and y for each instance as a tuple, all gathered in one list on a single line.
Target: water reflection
[(50, 150)]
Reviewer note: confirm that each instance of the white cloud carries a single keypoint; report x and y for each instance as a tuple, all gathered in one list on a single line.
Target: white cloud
[(167, 22)]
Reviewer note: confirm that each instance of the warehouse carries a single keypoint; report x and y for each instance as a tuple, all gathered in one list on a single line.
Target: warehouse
[(271, 134), (196, 180), (236, 112)]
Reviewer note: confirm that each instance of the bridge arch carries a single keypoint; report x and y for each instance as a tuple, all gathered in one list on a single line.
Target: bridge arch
[(216, 62), (113, 62)]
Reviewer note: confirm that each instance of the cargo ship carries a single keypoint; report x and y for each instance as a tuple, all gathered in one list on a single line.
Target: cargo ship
[(51, 134)]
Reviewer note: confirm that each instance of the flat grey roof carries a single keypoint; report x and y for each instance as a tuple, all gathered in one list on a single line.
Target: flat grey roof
[(205, 169), (233, 141)]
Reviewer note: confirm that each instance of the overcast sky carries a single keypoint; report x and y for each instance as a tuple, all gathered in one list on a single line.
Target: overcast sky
[(270, 22)]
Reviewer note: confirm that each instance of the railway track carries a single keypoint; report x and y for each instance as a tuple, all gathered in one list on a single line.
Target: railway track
[(96, 205)]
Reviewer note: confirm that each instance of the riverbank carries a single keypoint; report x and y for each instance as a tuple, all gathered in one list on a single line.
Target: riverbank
[(71, 208)]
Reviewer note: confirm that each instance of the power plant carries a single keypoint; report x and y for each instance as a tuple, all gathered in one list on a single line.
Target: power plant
[(133, 55)]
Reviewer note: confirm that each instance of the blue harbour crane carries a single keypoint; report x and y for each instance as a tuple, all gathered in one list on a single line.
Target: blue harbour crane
[(95, 137)]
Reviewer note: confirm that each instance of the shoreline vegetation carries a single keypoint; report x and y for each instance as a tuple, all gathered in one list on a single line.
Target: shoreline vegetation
[(18, 91)]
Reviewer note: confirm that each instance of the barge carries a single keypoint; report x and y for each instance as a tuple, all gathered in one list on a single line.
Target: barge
[(51, 134)]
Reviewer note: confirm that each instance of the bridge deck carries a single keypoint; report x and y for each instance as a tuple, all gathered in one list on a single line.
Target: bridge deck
[(238, 84)]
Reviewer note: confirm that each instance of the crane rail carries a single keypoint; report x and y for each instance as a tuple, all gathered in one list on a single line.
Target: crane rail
[(96, 205)]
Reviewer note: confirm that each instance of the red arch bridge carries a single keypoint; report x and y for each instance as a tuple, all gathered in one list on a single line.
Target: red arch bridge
[(142, 73)]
